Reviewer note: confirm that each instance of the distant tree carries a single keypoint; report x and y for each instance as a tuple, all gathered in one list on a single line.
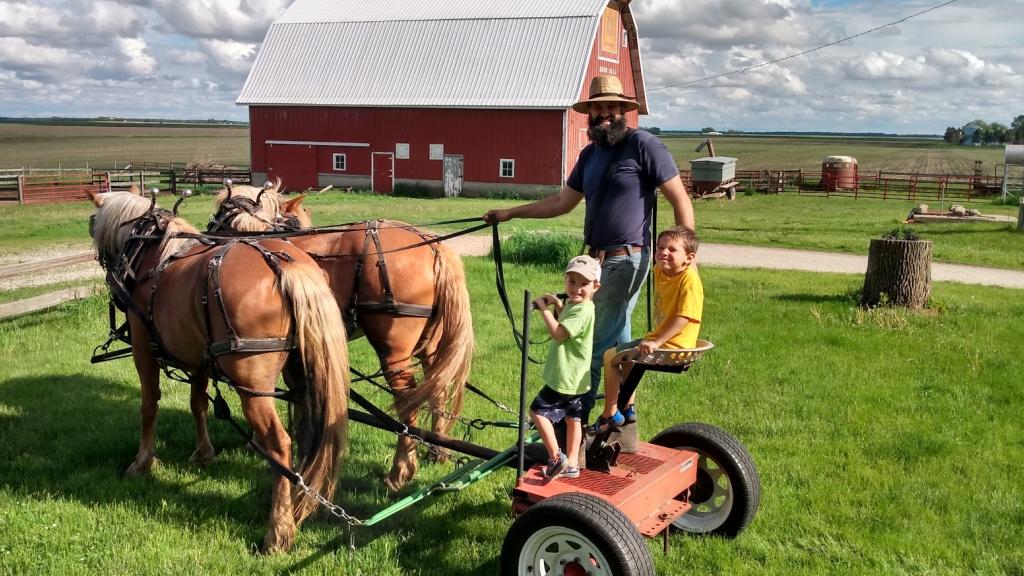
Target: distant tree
[(974, 131), (953, 135), (1000, 132), (653, 129), (1017, 126), (706, 129)]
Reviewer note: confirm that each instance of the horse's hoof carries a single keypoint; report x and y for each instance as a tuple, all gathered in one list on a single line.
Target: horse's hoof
[(141, 467), (278, 540), (436, 456), (393, 485), (203, 457)]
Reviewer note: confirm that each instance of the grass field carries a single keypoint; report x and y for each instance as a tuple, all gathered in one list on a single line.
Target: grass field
[(789, 221), (22, 145), (887, 443), (872, 154)]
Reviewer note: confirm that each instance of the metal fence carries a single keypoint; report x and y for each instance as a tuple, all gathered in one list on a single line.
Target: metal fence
[(878, 185)]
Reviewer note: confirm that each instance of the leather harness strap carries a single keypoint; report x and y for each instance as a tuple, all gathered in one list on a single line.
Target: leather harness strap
[(389, 306)]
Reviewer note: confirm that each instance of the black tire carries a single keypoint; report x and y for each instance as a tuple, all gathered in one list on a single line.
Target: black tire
[(574, 528), (728, 489)]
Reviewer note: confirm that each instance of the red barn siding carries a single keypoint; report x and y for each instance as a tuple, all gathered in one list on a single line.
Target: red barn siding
[(532, 137)]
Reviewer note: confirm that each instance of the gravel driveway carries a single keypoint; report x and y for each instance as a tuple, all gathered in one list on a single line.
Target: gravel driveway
[(710, 254)]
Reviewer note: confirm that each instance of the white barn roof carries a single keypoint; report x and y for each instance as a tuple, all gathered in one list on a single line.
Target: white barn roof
[(414, 53)]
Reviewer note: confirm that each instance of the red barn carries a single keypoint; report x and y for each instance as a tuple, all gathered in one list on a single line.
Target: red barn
[(467, 96)]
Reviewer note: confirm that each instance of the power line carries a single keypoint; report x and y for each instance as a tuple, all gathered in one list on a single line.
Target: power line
[(816, 48)]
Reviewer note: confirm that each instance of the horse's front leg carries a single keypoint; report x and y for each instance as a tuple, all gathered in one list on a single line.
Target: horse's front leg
[(199, 401), (149, 377), (405, 463)]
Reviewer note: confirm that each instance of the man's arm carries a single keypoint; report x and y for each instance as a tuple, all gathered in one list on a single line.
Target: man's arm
[(682, 208), (554, 205)]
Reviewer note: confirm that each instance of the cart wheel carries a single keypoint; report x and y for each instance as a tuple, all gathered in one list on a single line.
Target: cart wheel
[(728, 489), (574, 534)]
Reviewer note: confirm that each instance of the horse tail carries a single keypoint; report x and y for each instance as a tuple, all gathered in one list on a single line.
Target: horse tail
[(321, 413), (445, 383)]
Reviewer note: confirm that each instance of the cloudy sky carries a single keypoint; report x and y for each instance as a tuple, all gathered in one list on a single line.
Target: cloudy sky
[(188, 59)]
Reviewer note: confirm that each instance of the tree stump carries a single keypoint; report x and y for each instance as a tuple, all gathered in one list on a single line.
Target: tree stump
[(899, 273)]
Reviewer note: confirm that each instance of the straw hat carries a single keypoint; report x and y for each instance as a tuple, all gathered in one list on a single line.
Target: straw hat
[(606, 89)]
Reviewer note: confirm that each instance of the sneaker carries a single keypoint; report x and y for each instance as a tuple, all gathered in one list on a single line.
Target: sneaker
[(555, 466), (630, 414), (603, 423), (570, 472)]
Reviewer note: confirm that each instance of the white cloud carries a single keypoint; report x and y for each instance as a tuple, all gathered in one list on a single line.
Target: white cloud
[(137, 60), (230, 57), (239, 20), (186, 57)]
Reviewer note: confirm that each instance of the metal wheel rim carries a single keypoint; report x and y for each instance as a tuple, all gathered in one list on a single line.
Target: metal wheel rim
[(549, 550), (712, 512)]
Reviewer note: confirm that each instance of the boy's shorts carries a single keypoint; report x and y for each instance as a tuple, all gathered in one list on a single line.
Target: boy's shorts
[(556, 406), (628, 345)]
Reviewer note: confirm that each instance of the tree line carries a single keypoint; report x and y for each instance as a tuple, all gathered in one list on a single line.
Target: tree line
[(981, 132)]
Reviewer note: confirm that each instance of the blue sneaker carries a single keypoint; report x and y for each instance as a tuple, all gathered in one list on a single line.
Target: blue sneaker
[(555, 466), (630, 414), (603, 423)]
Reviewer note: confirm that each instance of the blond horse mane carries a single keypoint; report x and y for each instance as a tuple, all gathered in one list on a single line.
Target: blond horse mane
[(111, 230), (267, 209)]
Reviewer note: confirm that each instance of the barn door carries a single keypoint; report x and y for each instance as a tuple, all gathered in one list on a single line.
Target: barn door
[(452, 175), (382, 165), (295, 165)]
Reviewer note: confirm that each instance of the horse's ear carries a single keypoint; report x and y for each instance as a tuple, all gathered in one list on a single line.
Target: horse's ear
[(97, 199), (135, 189), (291, 206)]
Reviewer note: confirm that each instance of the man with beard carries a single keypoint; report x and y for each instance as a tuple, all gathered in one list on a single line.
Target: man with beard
[(618, 174)]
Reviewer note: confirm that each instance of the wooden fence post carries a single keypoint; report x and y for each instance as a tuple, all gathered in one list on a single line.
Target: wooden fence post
[(21, 189), (174, 184), (1020, 216)]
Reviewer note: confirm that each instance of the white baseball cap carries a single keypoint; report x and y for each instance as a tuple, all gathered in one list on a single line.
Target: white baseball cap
[(585, 266)]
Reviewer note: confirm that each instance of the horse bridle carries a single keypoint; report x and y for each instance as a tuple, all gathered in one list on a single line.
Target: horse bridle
[(235, 206)]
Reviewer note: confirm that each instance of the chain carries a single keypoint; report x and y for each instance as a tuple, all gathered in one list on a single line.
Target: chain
[(330, 506)]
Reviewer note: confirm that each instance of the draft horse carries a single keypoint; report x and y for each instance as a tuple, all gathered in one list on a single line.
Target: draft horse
[(240, 311), (407, 295)]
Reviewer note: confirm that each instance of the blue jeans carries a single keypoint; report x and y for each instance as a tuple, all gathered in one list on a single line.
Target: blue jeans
[(621, 280)]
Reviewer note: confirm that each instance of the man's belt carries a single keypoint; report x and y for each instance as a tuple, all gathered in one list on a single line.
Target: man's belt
[(622, 250)]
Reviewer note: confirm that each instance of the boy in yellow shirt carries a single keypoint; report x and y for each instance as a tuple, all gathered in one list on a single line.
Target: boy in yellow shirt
[(679, 305)]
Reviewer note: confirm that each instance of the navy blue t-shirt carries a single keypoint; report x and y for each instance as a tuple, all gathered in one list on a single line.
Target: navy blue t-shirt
[(624, 216)]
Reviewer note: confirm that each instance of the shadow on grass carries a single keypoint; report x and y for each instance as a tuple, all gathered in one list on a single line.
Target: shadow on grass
[(814, 298), (72, 437)]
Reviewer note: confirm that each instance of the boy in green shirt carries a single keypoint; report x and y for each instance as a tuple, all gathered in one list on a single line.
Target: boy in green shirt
[(567, 370)]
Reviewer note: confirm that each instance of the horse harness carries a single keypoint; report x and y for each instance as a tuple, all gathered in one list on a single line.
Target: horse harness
[(124, 274), (353, 307)]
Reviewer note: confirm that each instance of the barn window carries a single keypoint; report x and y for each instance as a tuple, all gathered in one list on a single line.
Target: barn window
[(437, 151), (402, 151), (508, 168), (339, 163)]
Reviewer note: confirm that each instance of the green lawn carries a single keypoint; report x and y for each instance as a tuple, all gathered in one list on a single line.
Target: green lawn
[(887, 443), (872, 154), (791, 221)]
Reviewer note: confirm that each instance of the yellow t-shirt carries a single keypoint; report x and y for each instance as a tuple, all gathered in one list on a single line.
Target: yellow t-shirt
[(679, 295)]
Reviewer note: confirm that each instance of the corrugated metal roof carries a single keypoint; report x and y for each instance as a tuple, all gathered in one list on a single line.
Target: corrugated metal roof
[(306, 11), (450, 53)]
